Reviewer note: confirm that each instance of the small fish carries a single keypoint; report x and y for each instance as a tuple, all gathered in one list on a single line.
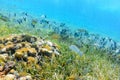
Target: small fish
[(25, 13), (14, 14), (19, 21), (75, 49), (24, 18), (4, 18)]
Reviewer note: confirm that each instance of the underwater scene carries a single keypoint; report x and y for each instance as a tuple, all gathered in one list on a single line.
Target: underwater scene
[(59, 40)]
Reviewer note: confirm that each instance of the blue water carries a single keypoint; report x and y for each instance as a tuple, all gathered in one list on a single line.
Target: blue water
[(97, 16)]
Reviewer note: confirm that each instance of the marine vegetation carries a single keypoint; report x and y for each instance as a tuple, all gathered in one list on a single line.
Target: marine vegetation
[(32, 54)]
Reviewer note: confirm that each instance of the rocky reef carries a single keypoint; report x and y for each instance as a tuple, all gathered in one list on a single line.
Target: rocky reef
[(25, 48)]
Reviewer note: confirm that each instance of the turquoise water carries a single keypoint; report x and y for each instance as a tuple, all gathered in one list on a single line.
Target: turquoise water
[(97, 16)]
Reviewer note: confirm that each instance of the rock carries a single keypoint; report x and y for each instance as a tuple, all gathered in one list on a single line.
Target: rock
[(75, 49), (25, 78), (9, 77), (12, 71)]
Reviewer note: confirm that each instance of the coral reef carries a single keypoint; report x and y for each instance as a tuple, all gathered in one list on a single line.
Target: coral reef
[(25, 48)]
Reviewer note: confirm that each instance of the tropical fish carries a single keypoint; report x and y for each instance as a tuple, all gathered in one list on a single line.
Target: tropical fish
[(4, 18)]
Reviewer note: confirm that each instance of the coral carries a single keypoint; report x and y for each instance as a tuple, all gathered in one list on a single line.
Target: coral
[(47, 47), (19, 54), (28, 50), (3, 57), (32, 51), (7, 67), (31, 60)]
